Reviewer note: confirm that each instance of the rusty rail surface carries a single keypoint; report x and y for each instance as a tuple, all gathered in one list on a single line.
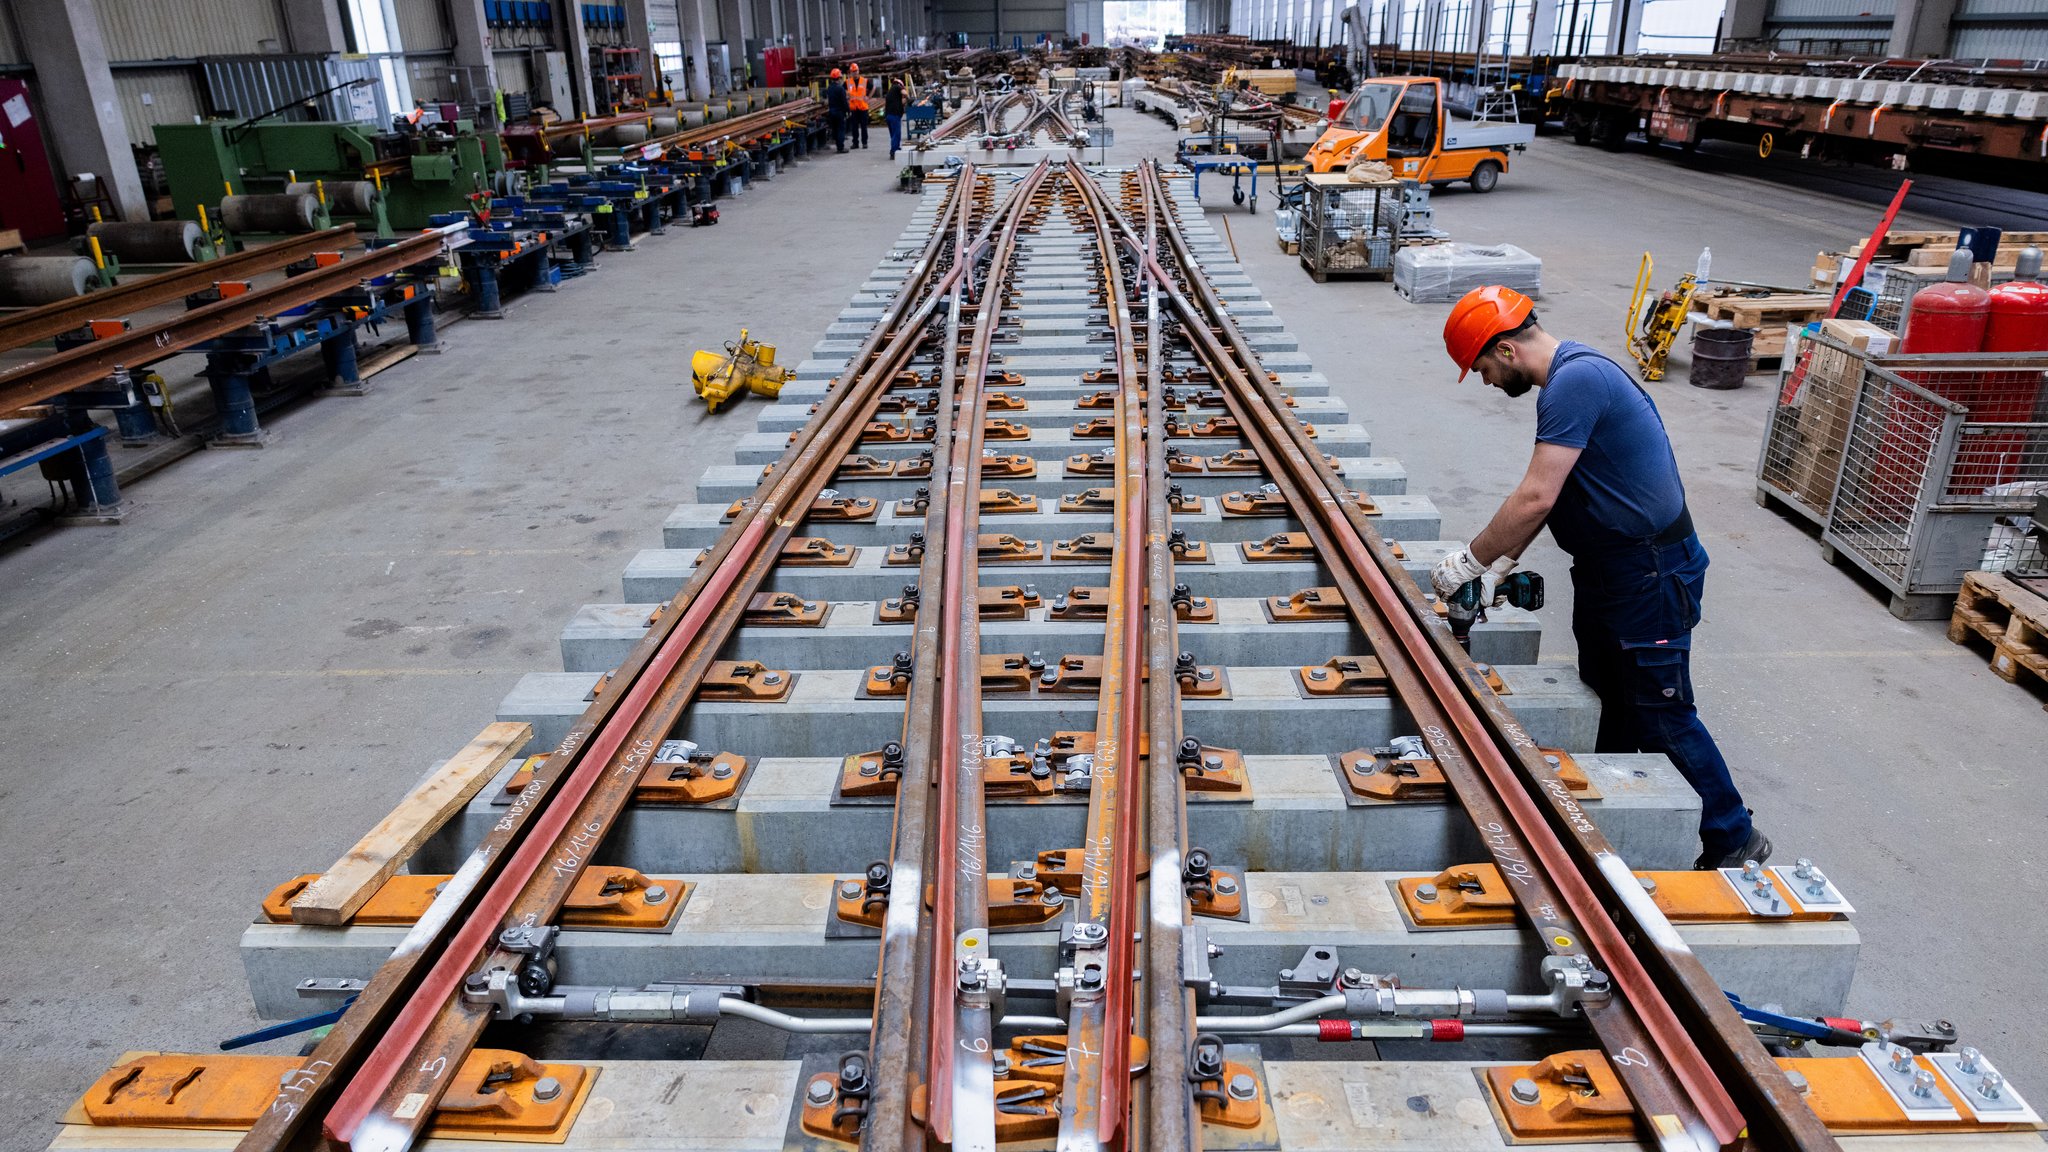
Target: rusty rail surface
[(90, 363), (144, 292)]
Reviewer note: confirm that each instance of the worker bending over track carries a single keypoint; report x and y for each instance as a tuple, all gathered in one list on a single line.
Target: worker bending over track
[(1604, 478)]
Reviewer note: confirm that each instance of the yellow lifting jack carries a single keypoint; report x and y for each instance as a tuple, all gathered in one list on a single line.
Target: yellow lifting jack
[(1652, 324), (746, 363)]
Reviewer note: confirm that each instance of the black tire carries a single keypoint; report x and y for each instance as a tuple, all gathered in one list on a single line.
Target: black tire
[(1486, 177)]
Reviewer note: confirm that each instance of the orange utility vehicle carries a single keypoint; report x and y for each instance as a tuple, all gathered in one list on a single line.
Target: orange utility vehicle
[(1401, 120)]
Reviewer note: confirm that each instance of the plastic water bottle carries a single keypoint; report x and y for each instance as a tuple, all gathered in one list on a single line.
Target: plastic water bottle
[(1706, 264)]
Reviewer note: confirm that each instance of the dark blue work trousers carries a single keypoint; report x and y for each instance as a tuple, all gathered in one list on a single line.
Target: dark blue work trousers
[(1633, 612)]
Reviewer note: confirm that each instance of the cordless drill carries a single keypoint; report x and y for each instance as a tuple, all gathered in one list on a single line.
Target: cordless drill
[(1519, 589)]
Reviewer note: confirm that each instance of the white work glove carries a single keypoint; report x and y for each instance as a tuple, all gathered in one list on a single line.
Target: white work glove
[(1454, 572), (1489, 582)]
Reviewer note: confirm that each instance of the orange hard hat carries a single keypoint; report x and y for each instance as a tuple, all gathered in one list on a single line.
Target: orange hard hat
[(835, 73), (1481, 315), (855, 67)]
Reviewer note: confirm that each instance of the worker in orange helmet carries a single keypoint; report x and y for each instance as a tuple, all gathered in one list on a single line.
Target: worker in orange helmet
[(856, 108), (836, 109), (1604, 478)]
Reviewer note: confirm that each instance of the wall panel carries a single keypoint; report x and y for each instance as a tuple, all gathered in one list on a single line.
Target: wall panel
[(152, 30), (10, 44), (175, 96), (423, 25)]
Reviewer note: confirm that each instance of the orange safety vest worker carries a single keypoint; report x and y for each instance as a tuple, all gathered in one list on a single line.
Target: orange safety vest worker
[(857, 91)]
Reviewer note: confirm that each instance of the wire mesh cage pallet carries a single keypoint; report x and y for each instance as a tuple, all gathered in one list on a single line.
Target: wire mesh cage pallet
[(1349, 229), (1908, 463)]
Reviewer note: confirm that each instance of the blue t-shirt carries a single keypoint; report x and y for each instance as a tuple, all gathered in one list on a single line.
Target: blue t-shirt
[(1625, 486)]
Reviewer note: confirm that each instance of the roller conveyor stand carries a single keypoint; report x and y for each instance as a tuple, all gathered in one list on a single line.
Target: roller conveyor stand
[(1033, 835)]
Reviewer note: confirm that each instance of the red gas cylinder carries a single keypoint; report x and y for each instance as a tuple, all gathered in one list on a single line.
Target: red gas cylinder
[(2019, 310), (1336, 111), (1950, 316)]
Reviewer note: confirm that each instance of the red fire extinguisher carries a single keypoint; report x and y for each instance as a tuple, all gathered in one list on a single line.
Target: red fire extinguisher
[(2019, 310), (1950, 316)]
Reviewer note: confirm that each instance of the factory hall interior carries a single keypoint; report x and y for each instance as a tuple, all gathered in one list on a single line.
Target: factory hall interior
[(1023, 575)]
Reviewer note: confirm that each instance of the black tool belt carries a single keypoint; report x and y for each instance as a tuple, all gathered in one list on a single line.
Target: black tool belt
[(1677, 530)]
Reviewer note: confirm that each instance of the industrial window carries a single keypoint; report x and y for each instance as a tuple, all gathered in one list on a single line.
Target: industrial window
[(373, 28), (668, 55), (1680, 25), (1582, 27), (1146, 22)]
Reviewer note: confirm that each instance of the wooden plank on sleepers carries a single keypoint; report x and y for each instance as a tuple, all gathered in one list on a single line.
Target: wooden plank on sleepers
[(344, 888)]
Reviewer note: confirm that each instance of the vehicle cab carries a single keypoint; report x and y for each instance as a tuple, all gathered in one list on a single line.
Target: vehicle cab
[(1400, 121)]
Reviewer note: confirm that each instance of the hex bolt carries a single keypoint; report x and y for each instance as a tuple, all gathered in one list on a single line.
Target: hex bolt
[(820, 1092), (1751, 870), (1319, 674), (1901, 1058), (1287, 973), (1969, 1059), (1050, 897), (1817, 884), (1243, 1087), (656, 894), (870, 768), (1212, 763), (1525, 1091), (1923, 1083), (772, 678), (1991, 1086), (546, 1088), (1802, 868), (1425, 892), (723, 770), (850, 890)]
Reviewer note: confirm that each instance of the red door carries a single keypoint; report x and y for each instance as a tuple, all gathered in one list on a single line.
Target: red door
[(28, 190)]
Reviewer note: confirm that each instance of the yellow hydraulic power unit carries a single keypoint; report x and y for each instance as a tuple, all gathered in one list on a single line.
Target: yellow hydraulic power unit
[(1653, 323), (746, 363)]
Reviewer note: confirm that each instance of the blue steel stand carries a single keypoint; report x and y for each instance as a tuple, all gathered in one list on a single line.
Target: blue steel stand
[(344, 373), (135, 421), (419, 323), (228, 373), (98, 466), (489, 306)]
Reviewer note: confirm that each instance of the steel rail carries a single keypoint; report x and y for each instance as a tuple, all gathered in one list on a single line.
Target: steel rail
[(903, 988), (143, 292), (1097, 1081), (337, 1055), (742, 125), (1687, 1004), (93, 362), (385, 1104), (961, 1102), (1662, 1070), (1168, 1008)]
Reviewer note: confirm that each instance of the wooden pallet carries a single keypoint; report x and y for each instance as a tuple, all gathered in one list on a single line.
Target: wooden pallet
[(2013, 618), (1766, 313), (1899, 243)]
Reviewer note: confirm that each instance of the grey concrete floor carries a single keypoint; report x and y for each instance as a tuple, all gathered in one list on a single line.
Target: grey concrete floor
[(225, 691)]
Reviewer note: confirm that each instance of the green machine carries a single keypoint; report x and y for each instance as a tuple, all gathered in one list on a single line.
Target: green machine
[(267, 170)]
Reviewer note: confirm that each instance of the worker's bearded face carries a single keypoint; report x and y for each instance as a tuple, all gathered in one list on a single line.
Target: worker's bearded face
[(1510, 375)]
